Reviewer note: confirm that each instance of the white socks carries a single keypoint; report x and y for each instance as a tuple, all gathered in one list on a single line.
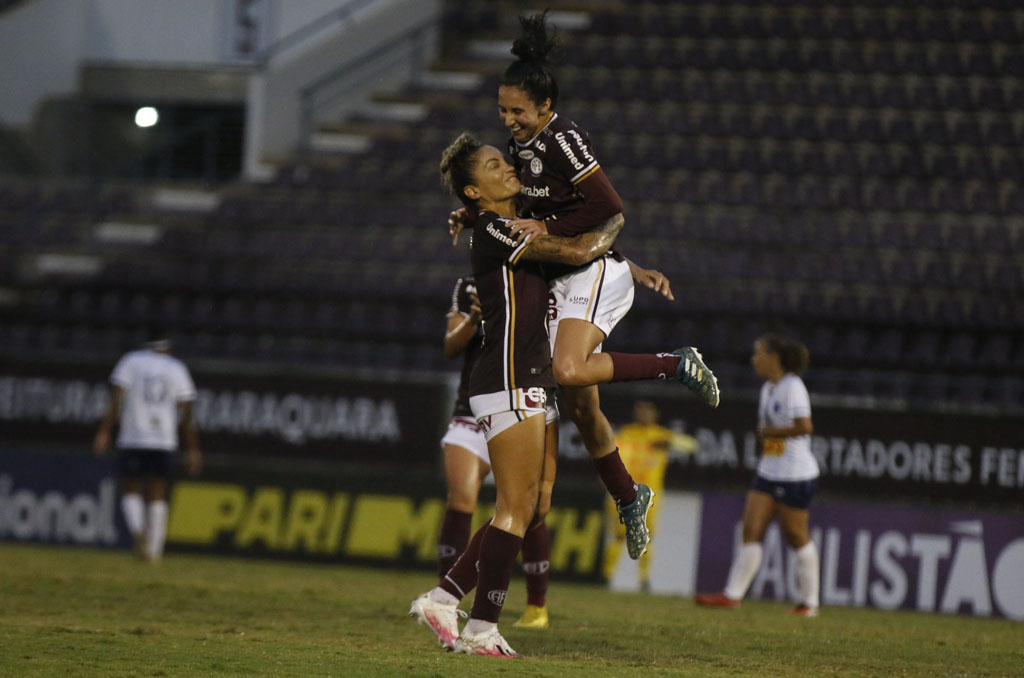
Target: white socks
[(475, 627), (156, 532), (743, 569), (131, 507), (439, 595), (808, 574)]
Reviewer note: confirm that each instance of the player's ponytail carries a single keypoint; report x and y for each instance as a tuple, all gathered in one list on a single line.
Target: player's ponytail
[(457, 166), (531, 73), (793, 355)]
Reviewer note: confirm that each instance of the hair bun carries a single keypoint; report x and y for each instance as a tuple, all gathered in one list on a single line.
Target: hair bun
[(534, 44)]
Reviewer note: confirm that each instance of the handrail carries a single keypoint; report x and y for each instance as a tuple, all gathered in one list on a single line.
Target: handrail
[(414, 35), (315, 26)]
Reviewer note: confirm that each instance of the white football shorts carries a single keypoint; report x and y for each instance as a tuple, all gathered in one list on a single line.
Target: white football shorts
[(465, 432), (601, 293), (500, 411)]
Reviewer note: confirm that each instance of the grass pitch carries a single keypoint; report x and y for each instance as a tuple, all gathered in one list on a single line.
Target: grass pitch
[(80, 612)]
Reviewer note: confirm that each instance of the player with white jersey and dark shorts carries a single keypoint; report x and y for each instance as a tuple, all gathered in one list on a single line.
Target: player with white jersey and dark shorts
[(787, 475), (151, 399), (466, 464), (564, 193), (508, 389)]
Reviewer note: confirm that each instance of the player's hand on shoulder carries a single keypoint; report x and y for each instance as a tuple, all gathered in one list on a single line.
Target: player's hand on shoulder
[(524, 229)]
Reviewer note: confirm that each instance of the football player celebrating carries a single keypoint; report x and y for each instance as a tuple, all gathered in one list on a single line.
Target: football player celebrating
[(507, 389), (565, 192)]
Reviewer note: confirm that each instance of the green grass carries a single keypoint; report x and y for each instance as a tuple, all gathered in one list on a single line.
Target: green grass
[(79, 612)]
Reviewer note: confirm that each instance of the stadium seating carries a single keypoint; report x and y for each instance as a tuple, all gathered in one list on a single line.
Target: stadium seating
[(849, 174)]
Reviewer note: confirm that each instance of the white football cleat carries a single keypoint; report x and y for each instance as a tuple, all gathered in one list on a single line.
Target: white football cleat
[(442, 619), (488, 644)]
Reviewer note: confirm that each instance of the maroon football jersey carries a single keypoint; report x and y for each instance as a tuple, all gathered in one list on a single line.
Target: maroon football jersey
[(550, 165), (514, 298), (462, 302)]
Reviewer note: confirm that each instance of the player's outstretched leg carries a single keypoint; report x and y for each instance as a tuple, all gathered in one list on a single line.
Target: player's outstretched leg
[(696, 376), (634, 517)]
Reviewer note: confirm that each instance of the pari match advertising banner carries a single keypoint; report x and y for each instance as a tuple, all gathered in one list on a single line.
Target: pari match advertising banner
[(886, 557), (946, 457), (73, 499), (273, 414)]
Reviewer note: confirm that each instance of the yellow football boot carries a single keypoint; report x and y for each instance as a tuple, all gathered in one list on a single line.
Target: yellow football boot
[(534, 618)]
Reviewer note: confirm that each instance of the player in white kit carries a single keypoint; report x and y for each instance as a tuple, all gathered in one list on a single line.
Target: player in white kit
[(787, 475), (151, 399)]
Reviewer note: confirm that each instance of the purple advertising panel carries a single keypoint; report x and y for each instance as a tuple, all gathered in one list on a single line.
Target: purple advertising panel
[(60, 499), (887, 557)]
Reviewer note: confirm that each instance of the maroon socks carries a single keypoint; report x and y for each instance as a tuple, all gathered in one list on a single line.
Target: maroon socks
[(616, 478), (635, 366), (537, 563), (498, 550), (461, 578), (453, 539)]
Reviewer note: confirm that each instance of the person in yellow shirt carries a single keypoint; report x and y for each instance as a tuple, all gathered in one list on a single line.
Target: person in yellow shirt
[(644, 446)]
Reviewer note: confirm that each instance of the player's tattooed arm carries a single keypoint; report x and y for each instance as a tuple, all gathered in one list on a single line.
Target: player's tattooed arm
[(577, 250)]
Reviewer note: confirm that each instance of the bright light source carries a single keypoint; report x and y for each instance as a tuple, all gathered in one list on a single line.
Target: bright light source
[(146, 116)]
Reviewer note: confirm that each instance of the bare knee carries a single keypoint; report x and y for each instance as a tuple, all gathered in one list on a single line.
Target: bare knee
[(569, 372), (795, 536), (462, 499), (520, 510)]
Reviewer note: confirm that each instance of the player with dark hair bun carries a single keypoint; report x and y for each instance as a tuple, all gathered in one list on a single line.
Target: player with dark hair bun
[(565, 192), (530, 73), (787, 475)]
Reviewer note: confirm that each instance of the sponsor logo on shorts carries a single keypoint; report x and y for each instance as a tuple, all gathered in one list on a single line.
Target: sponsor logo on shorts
[(485, 423), (579, 299), (535, 397), (497, 597), (536, 167)]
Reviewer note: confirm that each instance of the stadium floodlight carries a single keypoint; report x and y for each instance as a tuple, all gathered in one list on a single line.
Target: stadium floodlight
[(147, 116)]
